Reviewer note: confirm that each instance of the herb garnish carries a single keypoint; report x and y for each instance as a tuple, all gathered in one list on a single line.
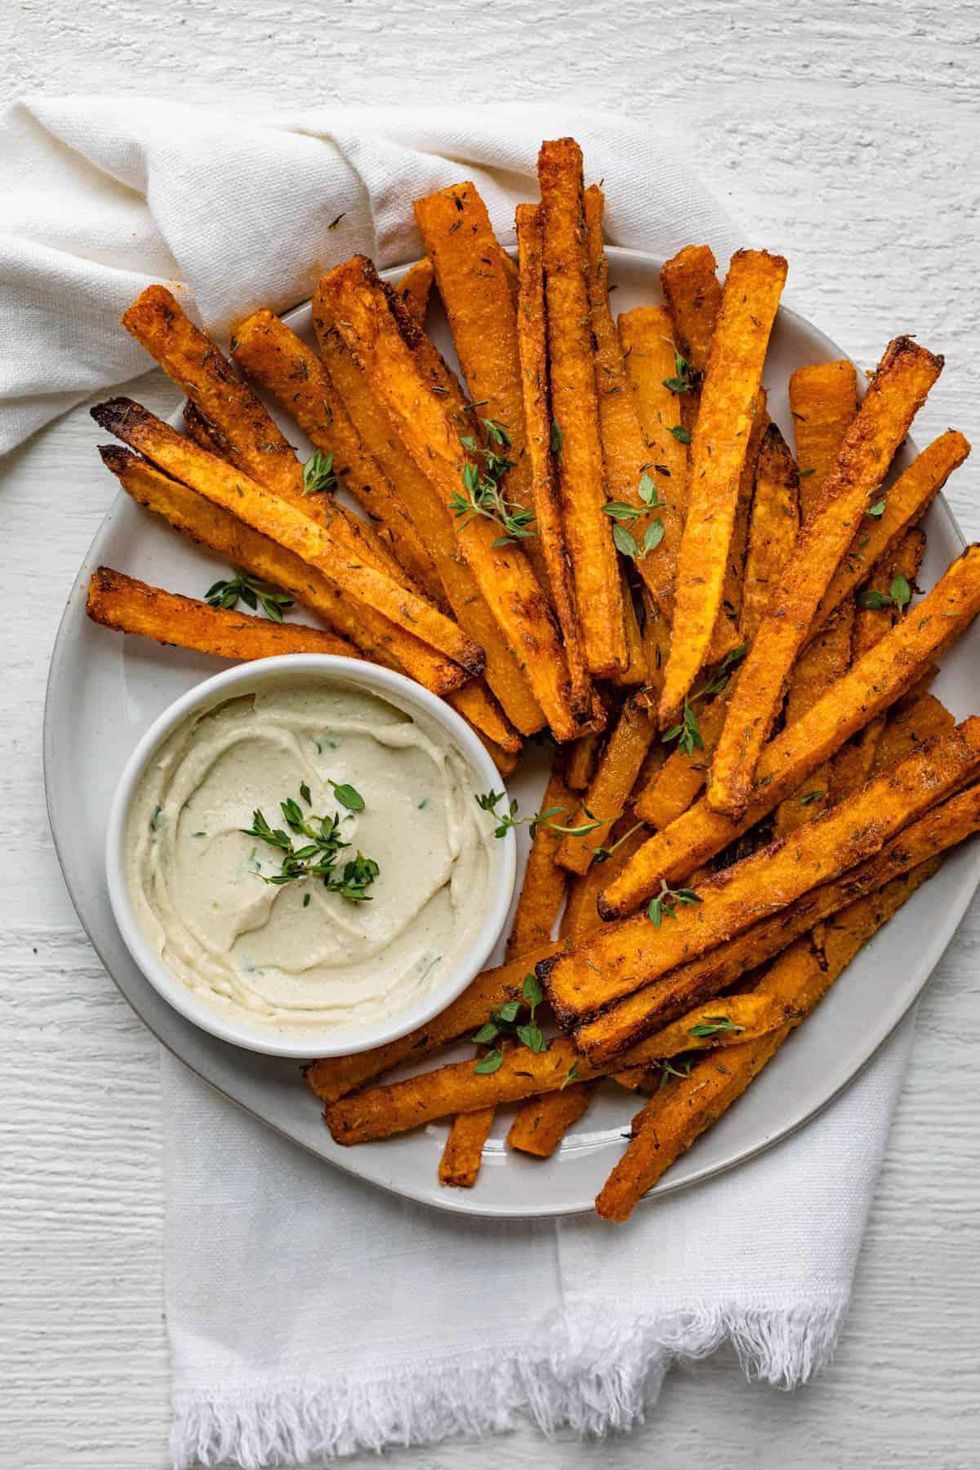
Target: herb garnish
[(688, 732), (602, 854), (899, 595), (713, 1026), (876, 511), (487, 802), (809, 797), (667, 1069), (626, 515), (682, 435), (504, 1022), (557, 437), (664, 906), (484, 494), (317, 857), (685, 378), (319, 477), (250, 590)]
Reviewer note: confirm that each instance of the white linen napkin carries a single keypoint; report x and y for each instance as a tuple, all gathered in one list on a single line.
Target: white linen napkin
[(310, 1314)]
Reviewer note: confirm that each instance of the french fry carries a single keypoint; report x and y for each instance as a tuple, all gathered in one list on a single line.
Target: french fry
[(774, 522), (690, 284), (628, 462), (674, 1117), (129, 606), (236, 419), (718, 451), (614, 961), (820, 664), (582, 756), (241, 546), (354, 300), (333, 1077), (382, 1112), (462, 1153), (645, 336), (728, 634), (542, 1121), (275, 358), (869, 687), (283, 522), (432, 518), (904, 503), (823, 402), (199, 430), (543, 890), (574, 403), (904, 377), (612, 1032), (635, 671), (911, 723), (542, 480), (415, 288), (476, 292), (619, 765)]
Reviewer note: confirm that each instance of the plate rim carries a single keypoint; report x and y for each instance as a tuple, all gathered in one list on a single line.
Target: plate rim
[(468, 1203)]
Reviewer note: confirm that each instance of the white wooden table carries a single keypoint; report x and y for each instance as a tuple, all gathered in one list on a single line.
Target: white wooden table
[(849, 134)]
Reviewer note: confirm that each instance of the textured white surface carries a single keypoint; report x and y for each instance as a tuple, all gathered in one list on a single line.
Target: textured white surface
[(850, 133)]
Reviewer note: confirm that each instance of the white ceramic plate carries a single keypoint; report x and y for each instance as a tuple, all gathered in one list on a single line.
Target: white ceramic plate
[(104, 691)]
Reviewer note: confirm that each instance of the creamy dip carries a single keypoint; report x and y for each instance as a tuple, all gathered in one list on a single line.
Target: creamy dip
[(296, 955)]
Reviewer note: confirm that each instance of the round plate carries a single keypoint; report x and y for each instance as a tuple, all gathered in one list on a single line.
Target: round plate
[(103, 692)]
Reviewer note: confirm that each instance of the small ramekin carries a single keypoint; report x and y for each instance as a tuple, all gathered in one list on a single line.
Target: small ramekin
[(311, 1041)]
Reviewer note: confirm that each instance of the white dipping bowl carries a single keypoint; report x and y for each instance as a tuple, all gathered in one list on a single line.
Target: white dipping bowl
[(312, 1041)]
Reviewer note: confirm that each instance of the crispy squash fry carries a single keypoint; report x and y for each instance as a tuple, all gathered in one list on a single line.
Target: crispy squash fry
[(282, 364), (635, 671), (619, 765), (690, 284), (352, 297), (869, 687), (905, 502), (381, 1112), (674, 1117), (820, 664), (235, 418), (129, 606), (774, 522), (283, 522), (823, 402), (462, 1154), (542, 1121), (718, 452), (582, 757), (626, 455), (912, 722), (615, 961), (432, 518), (650, 358), (415, 288), (241, 546), (904, 377), (543, 890), (588, 531), (542, 480), (476, 291), (580, 913), (613, 1031), (727, 634), (333, 1077)]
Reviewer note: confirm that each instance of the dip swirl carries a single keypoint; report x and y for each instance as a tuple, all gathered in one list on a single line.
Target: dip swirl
[(296, 956)]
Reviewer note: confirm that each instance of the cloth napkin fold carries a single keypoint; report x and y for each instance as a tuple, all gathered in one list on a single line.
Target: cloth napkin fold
[(310, 1314)]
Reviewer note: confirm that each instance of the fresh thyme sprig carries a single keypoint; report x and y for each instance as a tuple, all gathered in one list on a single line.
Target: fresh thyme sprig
[(483, 485), (664, 906), (685, 377), (669, 1069), (504, 1022), (252, 591), (688, 732), (487, 802), (714, 1026), (319, 476), (317, 857), (602, 854), (626, 515), (899, 595)]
